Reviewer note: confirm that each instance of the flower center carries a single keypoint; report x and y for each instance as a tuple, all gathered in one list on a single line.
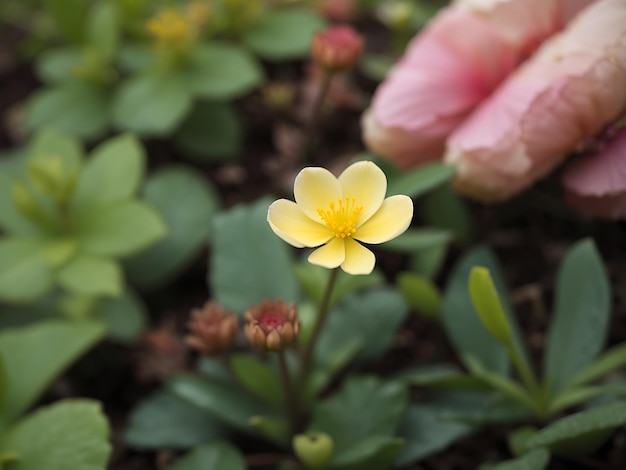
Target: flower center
[(342, 217), (271, 321)]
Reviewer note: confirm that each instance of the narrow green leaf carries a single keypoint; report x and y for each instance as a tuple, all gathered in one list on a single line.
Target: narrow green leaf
[(487, 304), (581, 318), (24, 273), (442, 376), (249, 262), (92, 275), (535, 460), (70, 434), (214, 456), (421, 294), (119, 230), (113, 173), (258, 378), (284, 34), (421, 180), (419, 239), (35, 355), (574, 396), (611, 360)]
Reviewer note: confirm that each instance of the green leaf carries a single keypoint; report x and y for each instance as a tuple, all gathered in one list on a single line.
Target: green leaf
[(113, 173), (421, 180), (372, 317), (119, 230), (163, 420), (226, 401), (4, 382), (24, 273), (581, 433), (573, 396), (187, 204), (125, 317), (70, 434), (581, 318), (284, 34), (103, 29), (421, 294), (371, 453), (152, 103), (342, 416), (488, 305), (419, 239), (258, 378), (444, 208), (536, 460), (35, 355), (222, 71), (75, 108), (69, 16), (275, 430), (249, 262), (214, 456), (466, 331), (135, 57), (440, 376), (47, 143), (12, 222), (212, 132), (429, 262), (609, 361), (57, 65), (92, 275)]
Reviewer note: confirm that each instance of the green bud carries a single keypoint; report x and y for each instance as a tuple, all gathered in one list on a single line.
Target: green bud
[(487, 304), (51, 178), (314, 449)]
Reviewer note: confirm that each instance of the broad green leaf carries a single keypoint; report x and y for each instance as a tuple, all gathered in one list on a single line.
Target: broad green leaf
[(135, 57), (152, 103), (92, 275), (445, 209), (214, 456), (125, 317), (69, 18), (12, 222), (119, 230), (535, 460), (466, 331), (488, 305), (113, 173), (249, 262), (211, 132), (222, 71), (24, 273), (581, 433), (68, 435), (609, 361), (57, 65), (371, 453), (421, 180), (421, 294), (103, 29), (342, 416), (57, 252), (419, 239), (49, 143), (284, 33), (440, 376), (35, 355), (227, 402), (187, 204), (73, 108), (372, 317), (258, 378), (162, 420), (581, 318)]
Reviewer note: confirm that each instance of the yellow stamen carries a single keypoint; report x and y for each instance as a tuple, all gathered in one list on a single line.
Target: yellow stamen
[(342, 217)]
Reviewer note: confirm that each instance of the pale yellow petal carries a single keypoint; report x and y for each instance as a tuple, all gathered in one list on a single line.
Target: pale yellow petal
[(291, 224), (367, 183), (391, 220), (330, 255), (359, 260), (315, 188)]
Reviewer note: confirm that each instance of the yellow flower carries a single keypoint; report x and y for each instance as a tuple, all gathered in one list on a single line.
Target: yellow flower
[(338, 213), (170, 26)]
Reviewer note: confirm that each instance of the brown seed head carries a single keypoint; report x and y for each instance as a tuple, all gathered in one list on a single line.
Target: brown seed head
[(337, 48), (271, 326), (212, 330)]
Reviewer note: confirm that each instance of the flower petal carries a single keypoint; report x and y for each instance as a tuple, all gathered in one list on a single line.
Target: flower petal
[(392, 219), (330, 255), (291, 224), (367, 183), (315, 188), (359, 260)]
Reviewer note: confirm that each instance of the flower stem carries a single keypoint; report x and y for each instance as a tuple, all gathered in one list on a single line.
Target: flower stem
[(316, 113), (307, 356), (528, 377), (291, 396)]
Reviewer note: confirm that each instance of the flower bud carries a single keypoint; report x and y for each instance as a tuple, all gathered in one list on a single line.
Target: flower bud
[(271, 326), (487, 304), (212, 329), (337, 48), (314, 449)]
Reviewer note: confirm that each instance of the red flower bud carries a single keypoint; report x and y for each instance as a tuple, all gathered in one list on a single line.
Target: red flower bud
[(212, 329), (337, 48), (271, 326)]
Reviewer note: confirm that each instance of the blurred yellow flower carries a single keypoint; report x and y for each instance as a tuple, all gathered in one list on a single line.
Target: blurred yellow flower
[(170, 26), (338, 213)]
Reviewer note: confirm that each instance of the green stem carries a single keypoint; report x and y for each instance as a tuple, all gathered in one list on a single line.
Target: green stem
[(316, 113), (307, 356), (293, 409), (528, 377)]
